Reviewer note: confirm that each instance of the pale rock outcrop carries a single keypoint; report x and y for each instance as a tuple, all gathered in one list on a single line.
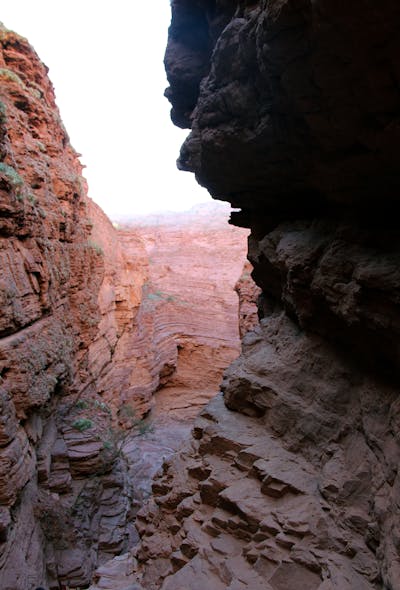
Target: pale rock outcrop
[(248, 293)]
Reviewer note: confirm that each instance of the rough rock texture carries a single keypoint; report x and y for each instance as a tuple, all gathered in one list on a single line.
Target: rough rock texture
[(298, 110), (52, 294), (84, 341), (167, 304), (49, 276), (248, 293), (115, 356), (293, 481)]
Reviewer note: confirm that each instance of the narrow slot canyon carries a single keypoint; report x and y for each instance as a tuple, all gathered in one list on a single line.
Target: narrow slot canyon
[(210, 399), (190, 306), (113, 337)]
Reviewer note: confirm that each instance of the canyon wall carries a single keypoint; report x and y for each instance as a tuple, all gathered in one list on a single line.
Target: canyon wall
[(57, 477), (169, 311), (291, 478), (93, 322), (195, 260)]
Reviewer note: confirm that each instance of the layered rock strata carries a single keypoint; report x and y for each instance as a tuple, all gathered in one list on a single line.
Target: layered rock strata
[(290, 481), (186, 330), (189, 302), (59, 308), (168, 306), (84, 341), (124, 372)]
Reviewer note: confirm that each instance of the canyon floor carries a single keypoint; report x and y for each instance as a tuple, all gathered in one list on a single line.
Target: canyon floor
[(165, 430)]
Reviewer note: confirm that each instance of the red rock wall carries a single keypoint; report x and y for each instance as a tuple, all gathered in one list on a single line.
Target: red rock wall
[(55, 298), (116, 355), (69, 299), (85, 335), (169, 313), (291, 480), (189, 298)]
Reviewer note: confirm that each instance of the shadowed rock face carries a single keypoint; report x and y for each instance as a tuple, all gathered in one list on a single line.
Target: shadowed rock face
[(293, 481), (296, 122), (298, 110)]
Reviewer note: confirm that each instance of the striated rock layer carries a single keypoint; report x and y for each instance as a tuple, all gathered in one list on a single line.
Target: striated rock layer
[(54, 521), (189, 304), (87, 335), (291, 480), (169, 313)]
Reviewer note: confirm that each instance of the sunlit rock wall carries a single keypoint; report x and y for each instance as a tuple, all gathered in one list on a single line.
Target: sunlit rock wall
[(84, 341), (57, 477), (195, 260)]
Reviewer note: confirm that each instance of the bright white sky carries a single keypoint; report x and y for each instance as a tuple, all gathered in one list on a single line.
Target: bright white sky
[(106, 64)]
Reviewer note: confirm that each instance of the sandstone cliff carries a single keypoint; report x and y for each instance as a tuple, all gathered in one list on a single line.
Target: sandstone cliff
[(189, 298), (52, 275), (291, 479), (93, 322), (169, 313)]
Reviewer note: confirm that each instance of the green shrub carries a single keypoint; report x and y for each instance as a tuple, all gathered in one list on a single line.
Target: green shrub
[(81, 404), (82, 424), (127, 411), (3, 112), (12, 175)]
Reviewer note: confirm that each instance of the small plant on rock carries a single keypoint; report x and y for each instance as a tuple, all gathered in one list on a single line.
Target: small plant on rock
[(96, 247), (12, 175), (82, 424), (81, 404), (3, 112)]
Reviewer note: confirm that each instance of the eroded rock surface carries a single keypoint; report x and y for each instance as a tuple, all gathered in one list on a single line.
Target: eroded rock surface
[(189, 302), (85, 341), (290, 480), (297, 110), (50, 274), (248, 293), (289, 491), (64, 492)]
